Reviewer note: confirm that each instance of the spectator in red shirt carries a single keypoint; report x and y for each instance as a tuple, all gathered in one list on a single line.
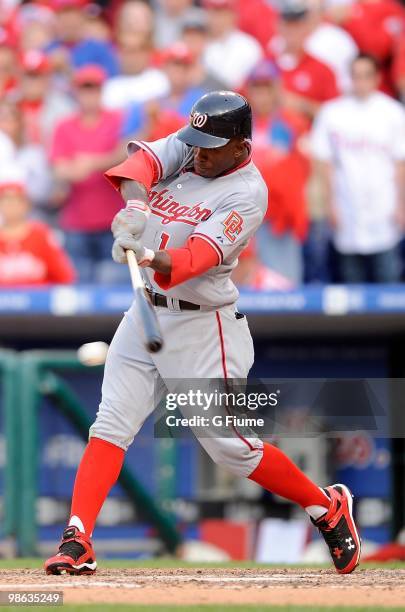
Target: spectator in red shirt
[(307, 81), (160, 122), (276, 132), (84, 146), (258, 18), (29, 254), (376, 26)]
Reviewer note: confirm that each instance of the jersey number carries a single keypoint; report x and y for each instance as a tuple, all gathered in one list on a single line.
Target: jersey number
[(164, 239), (232, 225)]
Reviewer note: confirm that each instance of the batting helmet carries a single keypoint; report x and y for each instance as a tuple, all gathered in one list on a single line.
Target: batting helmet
[(216, 118)]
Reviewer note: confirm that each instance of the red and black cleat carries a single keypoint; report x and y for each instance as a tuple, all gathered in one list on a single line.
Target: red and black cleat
[(339, 530), (76, 555)]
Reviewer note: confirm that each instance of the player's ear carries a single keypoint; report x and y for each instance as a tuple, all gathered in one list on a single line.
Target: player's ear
[(239, 147)]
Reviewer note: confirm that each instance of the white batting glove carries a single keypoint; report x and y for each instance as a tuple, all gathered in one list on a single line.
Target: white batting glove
[(131, 220), (123, 242)]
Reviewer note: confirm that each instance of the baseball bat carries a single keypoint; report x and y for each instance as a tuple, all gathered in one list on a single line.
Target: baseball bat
[(153, 335)]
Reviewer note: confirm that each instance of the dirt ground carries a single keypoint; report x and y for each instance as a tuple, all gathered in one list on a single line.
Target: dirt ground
[(375, 587)]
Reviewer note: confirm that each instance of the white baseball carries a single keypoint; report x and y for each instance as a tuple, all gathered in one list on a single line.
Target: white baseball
[(93, 353)]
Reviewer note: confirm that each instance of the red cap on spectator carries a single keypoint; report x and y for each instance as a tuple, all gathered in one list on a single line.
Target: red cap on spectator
[(36, 62), (61, 5), (91, 74), (178, 52), (219, 4), (13, 186)]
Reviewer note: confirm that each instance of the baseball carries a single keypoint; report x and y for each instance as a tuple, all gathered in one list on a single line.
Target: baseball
[(93, 353)]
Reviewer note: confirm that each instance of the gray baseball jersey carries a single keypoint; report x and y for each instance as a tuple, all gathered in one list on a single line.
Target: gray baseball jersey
[(225, 211), (206, 344)]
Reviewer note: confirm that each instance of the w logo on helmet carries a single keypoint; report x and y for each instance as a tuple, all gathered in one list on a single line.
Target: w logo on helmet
[(199, 119)]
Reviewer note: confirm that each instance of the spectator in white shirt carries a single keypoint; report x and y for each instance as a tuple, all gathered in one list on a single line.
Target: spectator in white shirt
[(195, 36), (231, 54), (331, 45), (29, 159), (325, 41), (7, 149), (358, 143), (138, 81)]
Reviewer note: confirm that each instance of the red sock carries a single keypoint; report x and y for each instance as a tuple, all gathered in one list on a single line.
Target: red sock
[(98, 472), (278, 474)]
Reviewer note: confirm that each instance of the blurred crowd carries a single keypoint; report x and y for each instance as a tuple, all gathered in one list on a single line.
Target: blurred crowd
[(326, 82)]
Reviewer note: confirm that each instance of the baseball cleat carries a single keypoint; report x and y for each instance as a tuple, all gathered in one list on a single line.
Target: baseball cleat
[(339, 530), (76, 555)]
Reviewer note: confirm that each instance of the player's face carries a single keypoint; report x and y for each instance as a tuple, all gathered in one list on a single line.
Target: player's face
[(210, 163)]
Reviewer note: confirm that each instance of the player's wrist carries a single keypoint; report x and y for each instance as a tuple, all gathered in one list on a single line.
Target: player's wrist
[(162, 262), (148, 256), (137, 204)]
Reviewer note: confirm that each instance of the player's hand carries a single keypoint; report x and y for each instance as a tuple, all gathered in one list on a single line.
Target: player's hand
[(124, 242), (131, 220)]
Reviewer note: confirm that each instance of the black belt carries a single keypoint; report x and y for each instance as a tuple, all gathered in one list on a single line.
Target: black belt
[(161, 300)]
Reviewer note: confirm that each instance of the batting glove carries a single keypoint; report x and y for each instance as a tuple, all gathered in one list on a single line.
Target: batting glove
[(131, 220), (123, 242)]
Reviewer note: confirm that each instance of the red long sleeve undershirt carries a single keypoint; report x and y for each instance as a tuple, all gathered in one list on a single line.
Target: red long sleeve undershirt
[(140, 167), (191, 260)]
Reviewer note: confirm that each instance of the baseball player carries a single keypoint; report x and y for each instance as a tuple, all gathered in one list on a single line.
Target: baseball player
[(192, 202)]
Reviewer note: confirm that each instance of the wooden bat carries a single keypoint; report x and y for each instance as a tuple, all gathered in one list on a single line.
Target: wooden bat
[(153, 335)]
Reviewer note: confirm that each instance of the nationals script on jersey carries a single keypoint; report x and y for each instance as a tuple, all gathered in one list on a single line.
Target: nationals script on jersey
[(225, 211)]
